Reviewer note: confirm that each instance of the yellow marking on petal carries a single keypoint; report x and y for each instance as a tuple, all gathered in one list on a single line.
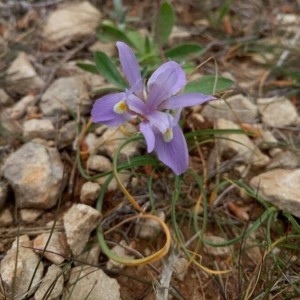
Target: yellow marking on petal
[(120, 107), (168, 135)]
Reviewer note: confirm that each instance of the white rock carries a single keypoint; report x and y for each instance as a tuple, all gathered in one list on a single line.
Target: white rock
[(6, 217), (29, 215), (65, 93), (91, 283), (70, 22), (35, 173), (108, 48), (277, 111), (113, 185), (3, 193), (149, 229), (38, 128), (21, 70), (89, 193), (280, 187), (4, 98), (120, 251), (57, 248), (79, 221), (99, 163), (240, 145), (285, 160), (223, 252), (237, 108), (113, 137), (19, 109), (20, 272), (91, 141), (52, 284), (90, 256), (67, 134), (181, 267)]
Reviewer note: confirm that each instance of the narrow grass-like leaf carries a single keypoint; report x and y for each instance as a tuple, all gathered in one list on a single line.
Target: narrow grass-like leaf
[(164, 23), (110, 33), (183, 51), (206, 85), (108, 69), (88, 67)]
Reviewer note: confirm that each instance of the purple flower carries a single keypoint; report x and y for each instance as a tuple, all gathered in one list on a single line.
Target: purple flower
[(156, 106)]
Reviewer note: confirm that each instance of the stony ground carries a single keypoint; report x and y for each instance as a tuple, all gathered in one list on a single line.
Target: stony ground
[(51, 154)]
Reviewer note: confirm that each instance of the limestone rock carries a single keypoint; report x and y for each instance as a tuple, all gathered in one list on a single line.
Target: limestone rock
[(35, 173), (79, 221), (223, 252), (150, 228), (6, 217), (3, 193), (240, 145), (70, 22), (52, 285), (89, 193), (18, 110), (279, 187), (277, 111), (29, 215), (181, 267), (90, 255), (99, 163), (38, 128), (91, 283), (20, 272), (5, 98), (113, 137), (65, 93), (22, 71), (57, 248), (237, 108), (285, 160), (67, 134)]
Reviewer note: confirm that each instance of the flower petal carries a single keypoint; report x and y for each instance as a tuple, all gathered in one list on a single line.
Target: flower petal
[(166, 81), (184, 100), (136, 105), (160, 120), (174, 154), (130, 68), (103, 110), (147, 131)]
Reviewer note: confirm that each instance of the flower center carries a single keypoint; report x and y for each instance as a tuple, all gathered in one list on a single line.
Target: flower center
[(120, 107), (168, 135)]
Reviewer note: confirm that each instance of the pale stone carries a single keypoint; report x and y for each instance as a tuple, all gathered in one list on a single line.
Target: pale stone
[(279, 187), (239, 145), (18, 267), (285, 160), (18, 110), (52, 284), (99, 163), (57, 248), (67, 134), (6, 217), (4, 98), (70, 22), (237, 108), (38, 128), (277, 111), (91, 283), (181, 267), (89, 193), (120, 251), (29, 215), (65, 93), (79, 221), (150, 228), (223, 251), (35, 173), (124, 177), (22, 71), (90, 255)]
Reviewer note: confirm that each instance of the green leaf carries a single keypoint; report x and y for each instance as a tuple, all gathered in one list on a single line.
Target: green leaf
[(184, 51), (208, 85), (164, 23), (88, 67), (108, 69), (108, 32)]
